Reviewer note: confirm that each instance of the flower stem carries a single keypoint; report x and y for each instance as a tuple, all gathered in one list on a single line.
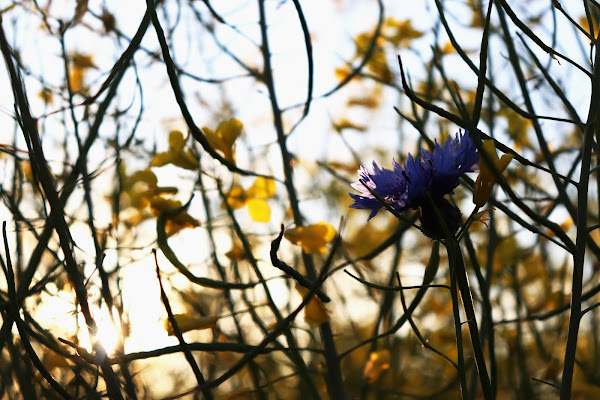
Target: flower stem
[(591, 127), (462, 376), (457, 267)]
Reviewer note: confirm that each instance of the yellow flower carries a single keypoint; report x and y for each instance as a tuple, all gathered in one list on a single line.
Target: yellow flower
[(79, 64), (312, 238), (239, 394), (46, 95), (140, 187), (224, 137), (401, 32), (176, 222), (254, 198), (237, 253), (54, 360), (486, 180), (177, 154), (187, 322), (315, 313), (81, 60), (379, 361)]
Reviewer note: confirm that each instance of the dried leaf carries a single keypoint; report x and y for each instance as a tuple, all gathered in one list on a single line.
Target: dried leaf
[(108, 21), (80, 10)]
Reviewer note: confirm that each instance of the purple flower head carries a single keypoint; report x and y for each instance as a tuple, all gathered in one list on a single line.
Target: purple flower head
[(459, 155), (389, 185), (405, 187)]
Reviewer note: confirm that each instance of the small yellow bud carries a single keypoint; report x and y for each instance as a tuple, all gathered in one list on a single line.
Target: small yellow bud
[(486, 180)]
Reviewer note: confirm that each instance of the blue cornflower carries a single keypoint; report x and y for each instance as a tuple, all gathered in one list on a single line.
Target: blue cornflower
[(401, 188), (405, 187), (450, 161)]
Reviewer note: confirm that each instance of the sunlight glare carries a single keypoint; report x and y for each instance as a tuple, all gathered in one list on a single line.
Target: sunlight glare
[(108, 332)]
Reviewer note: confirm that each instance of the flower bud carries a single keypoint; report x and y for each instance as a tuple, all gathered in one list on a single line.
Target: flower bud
[(431, 224)]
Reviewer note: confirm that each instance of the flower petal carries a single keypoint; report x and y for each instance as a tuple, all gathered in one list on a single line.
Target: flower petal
[(486, 179), (259, 210)]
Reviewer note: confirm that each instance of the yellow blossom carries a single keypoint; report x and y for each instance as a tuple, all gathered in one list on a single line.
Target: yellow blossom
[(379, 361), (345, 123), (46, 95), (486, 180), (140, 187), (79, 63), (237, 253), (224, 137), (177, 154), (254, 198), (175, 222), (81, 60), (402, 32), (239, 394), (315, 313), (54, 360), (312, 238), (187, 322)]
